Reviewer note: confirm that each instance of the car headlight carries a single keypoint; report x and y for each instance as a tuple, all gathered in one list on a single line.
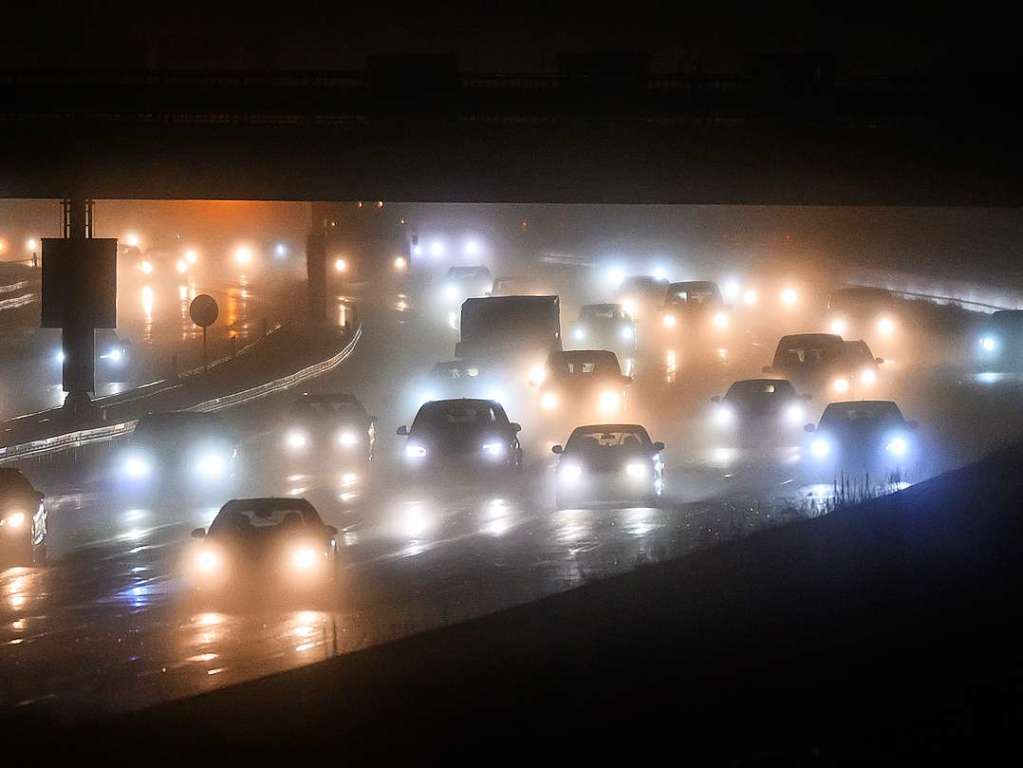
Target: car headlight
[(840, 385), (637, 470), (208, 560), (610, 400), (570, 472), (296, 439), (626, 333), (211, 465), (886, 326), (897, 446), (137, 466), (820, 448), (14, 520), (724, 416), (495, 450), (414, 451), (988, 343), (794, 414), (548, 401), (669, 321), (450, 292), (839, 326), (303, 558), (789, 297), (115, 355), (720, 320), (579, 334), (868, 376), (537, 374), (631, 307), (348, 438)]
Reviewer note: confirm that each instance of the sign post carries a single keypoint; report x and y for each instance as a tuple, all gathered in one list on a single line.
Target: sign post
[(204, 311)]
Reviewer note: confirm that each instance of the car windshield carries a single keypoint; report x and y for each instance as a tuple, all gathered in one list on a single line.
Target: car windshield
[(839, 415), (600, 312), (588, 364), (468, 413), (760, 389), (1009, 321), (858, 351), (455, 371), (332, 409), (256, 515), (694, 293), (617, 436), (178, 424), (810, 351)]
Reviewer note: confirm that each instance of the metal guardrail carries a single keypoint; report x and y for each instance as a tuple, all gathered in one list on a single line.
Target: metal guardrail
[(106, 433)]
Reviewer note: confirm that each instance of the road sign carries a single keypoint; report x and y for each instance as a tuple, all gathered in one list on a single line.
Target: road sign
[(203, 310), (79, 282)]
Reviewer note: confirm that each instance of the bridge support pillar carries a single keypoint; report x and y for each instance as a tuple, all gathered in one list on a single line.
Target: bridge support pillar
[(316, 262)]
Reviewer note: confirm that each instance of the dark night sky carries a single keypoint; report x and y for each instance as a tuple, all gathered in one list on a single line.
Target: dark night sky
[(865, 38)]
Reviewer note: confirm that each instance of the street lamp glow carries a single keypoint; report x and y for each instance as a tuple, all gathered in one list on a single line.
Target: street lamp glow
[(472, 247), (191, 255), (131, 239), (281, 250), (31, 245), (340, 265), (181, 266), (400, 264), (437, 248)]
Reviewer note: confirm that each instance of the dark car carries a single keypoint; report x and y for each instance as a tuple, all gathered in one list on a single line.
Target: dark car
[(331, 429), (759, 412), (825, 362), (581, 384), (862, 311), (466, 434), (267, 545), (461, 283), (862, 436), (605, 326), (183, 450), (609, 463), (641, 296), (22, 520), (510, 285), (1000, 342)]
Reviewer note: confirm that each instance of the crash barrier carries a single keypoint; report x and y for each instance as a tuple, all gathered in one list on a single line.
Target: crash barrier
[(95, 435)]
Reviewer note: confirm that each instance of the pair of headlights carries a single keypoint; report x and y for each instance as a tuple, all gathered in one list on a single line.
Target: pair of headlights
[(301, 559), (493, 450), (298, 439), (895, 446), (573, 472)]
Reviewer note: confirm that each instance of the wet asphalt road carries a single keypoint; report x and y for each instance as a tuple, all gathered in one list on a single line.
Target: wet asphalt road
[(112, 624)]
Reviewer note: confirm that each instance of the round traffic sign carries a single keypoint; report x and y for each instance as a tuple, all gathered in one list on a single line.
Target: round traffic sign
[(203, 310)]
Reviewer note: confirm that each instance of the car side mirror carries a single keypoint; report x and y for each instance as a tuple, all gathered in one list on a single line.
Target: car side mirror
[(809, 428), (716, 399), (559, 449), (879, 360), (767, 369), (658, 446), (331, 530), (912, 425), (402, 430), (806, 396), (515, 427), (199, 533)]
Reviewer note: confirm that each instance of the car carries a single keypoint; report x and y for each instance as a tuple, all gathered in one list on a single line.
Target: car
[(463, 434), (451, 379), (869, 436), (695, 307), (641, 296), (826, 363), (608, 463), (515, 285), (869, 313), (335, 429), (582, 383), (758, 412), (1000, 342), (22, 520), (187, 451), (269, 545), (605, 326), (461, 283)]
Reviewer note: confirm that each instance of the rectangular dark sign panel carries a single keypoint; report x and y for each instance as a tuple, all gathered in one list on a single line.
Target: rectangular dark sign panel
[(79, 282)]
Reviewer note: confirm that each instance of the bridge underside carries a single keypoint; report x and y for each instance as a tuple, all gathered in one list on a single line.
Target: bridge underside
[(558, 161)]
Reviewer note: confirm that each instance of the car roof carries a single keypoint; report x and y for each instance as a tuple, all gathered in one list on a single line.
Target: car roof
[(702, 284), (270, 502), (608, 427), (460, 400), (863, 405), (583, 354), (761, 381), (810, 338)]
